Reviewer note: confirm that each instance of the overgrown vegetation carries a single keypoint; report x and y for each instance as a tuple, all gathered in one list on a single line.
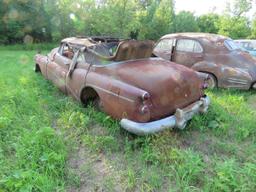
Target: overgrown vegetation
[(51, 20), (48, 142)]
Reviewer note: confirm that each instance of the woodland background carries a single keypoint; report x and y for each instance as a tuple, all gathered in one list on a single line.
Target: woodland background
[(50, 20)]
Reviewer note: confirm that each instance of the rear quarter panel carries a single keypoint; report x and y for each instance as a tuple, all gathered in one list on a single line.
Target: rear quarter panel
[(120, 100)]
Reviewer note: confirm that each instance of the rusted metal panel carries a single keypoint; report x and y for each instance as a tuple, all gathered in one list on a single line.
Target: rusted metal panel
[(128, 82), (232, 67)]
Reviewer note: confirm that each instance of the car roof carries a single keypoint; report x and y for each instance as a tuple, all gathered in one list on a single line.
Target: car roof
[(209, 36), (89, 41), (78, 41)]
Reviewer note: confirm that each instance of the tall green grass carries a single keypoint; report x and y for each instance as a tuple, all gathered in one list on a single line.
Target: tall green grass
[(42, 132), (29, 47)]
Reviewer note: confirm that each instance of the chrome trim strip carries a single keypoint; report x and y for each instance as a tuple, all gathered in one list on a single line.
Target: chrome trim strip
[(111, 93)]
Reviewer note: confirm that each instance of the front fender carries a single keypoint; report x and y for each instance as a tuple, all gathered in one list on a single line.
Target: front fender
[(42, 61), (236, 78), (228, 77)]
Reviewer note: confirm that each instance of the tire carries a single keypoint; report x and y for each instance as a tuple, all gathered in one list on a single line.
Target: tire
[(90, 97), (97, 104)]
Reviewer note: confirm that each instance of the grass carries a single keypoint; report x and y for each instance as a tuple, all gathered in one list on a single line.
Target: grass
[(49, 142)]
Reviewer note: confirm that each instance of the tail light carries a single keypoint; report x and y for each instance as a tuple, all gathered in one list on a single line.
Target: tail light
[(144, 109), (145, 96)]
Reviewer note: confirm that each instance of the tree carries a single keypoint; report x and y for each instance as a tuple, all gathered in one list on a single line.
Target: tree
[(185, 21), (21, 18), (239, 7), (253, 31), (233, 22), (233, 27), (156, 19), (208, 23)]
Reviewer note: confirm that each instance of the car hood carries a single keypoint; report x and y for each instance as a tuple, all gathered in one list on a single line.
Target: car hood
[(170, 85)]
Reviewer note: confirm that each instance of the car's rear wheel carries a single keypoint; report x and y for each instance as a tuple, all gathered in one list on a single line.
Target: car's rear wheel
[(90, 97), (97, 104)]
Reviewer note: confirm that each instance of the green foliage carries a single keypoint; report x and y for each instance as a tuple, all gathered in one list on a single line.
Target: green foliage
[(253, 34), (33, 155), (208, 23), (234, 27), (40, 162), (38, 47), (185, 21), (239, 7), (29, 21), (21, 19), (157, 19)]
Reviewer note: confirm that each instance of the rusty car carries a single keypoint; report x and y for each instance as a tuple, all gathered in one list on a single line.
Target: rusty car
[(120, 78), (218, 56), (248, 45)]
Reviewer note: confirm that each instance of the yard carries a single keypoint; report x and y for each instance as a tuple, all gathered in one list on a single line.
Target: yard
[(49, 142)]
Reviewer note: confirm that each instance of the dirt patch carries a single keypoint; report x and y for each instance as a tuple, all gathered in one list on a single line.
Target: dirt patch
[(95, 172)]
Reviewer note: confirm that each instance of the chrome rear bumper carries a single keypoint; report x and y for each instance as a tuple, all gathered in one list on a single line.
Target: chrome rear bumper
[(178, 120)]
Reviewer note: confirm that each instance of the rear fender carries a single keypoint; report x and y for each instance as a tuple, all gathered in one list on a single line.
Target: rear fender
[(119, 99), (208, 67)]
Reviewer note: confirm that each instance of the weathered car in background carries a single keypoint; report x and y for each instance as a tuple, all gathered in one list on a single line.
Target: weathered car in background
[(247, 45), (218, 56), (147, 94)]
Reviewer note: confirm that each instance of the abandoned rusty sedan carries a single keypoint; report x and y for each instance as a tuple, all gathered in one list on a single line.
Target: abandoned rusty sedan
[(120, 78), (218, 56)]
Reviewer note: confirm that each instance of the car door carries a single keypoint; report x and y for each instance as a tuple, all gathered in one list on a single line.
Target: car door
[(187, 52), (58, 67), (164, 48), (76, 76)]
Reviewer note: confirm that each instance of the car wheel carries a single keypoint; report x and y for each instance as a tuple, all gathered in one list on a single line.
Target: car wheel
[(97, 104), (212, 81), (90, 97)]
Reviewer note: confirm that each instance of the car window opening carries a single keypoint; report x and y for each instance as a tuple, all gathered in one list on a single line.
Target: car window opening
[(106, 53)]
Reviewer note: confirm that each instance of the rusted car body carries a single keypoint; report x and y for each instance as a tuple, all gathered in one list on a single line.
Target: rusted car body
[(147, 94), (227, 65)]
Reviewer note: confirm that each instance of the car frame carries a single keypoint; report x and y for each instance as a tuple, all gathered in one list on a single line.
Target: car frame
[(216, 55), (120, 78)]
